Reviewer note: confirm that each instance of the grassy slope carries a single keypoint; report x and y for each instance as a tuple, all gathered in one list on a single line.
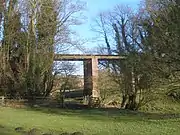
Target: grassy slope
[(162, 105), (99, 122)]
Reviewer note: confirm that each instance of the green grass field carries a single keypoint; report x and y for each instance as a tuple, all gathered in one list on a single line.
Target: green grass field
[(90, 121)]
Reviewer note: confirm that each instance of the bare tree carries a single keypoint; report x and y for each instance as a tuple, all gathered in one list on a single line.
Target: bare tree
[(65, 79), (125, 38)]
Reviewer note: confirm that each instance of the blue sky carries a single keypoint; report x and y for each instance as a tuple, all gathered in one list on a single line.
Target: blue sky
[(94, 7)]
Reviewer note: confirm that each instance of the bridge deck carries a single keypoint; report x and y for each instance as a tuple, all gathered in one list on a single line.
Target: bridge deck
[(81, 57)]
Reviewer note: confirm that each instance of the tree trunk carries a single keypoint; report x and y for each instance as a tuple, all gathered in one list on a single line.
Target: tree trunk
[(124, 100), (132, 104)]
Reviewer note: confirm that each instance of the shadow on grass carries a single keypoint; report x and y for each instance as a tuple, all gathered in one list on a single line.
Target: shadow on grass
[(22, 131), (105, 114), (6, 131), (101, 114)]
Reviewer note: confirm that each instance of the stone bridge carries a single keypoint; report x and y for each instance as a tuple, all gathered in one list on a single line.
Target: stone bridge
[(90, 63)]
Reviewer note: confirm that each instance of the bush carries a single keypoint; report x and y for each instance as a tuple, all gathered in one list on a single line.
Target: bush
[(109, 88)]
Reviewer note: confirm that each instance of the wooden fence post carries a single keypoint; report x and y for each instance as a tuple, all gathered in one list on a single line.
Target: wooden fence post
[(2, 100)]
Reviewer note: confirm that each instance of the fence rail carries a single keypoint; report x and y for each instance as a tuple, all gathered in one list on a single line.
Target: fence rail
[(4, 100)]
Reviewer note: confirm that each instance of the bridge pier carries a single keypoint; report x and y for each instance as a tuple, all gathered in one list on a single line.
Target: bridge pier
[(91, 80), (95, 91), (87, 77)]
